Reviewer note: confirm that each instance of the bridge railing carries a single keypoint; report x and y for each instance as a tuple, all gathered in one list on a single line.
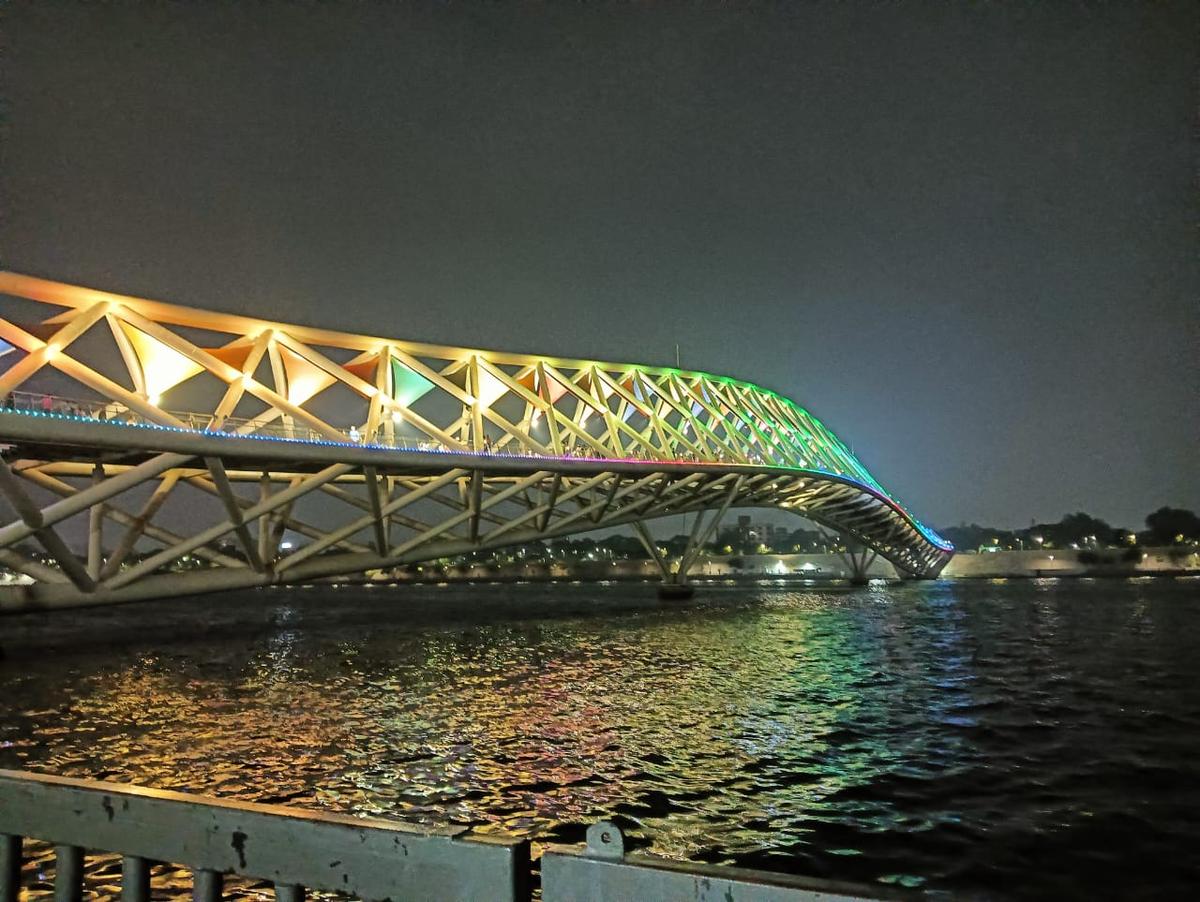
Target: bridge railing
[(112, 413), (299, 851), (295, 850)]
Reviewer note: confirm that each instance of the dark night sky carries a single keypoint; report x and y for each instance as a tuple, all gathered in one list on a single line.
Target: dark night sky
[(965, 236)]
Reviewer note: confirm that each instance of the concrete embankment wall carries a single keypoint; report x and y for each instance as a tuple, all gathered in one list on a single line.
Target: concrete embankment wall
[(817, 565), (831, 566), (1068, 563), (977, 566)]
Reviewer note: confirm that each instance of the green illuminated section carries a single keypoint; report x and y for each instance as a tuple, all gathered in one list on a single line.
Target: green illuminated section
[(718, 414), (408, 386)]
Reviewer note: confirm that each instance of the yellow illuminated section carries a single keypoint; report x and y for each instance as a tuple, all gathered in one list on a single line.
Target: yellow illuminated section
[(162, 367), (490, 390), (304, 378)]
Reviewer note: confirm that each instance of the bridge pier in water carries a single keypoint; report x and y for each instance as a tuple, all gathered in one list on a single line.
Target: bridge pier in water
[(859, 561), (675, 581)]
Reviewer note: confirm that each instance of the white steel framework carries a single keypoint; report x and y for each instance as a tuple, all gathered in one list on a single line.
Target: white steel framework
[(180, 435)]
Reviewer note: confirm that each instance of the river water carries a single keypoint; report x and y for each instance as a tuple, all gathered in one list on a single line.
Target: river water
[(1021, 739)]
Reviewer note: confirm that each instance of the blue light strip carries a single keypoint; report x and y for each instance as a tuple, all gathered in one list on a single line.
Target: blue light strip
[(872, 490)]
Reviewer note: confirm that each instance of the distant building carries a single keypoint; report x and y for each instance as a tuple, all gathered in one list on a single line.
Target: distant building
[(748, 535)]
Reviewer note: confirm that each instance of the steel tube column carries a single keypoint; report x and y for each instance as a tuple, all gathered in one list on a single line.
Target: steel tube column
[(135, 879), (96, 529), (651, 547), (207, 886), (68, 873), (33, 523), (693, 551), (10, 867)]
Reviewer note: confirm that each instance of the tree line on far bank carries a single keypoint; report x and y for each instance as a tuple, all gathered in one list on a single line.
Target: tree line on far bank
[(1165, 526)]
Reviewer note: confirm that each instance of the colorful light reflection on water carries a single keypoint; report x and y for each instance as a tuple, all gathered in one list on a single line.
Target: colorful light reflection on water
[(1020, 739)]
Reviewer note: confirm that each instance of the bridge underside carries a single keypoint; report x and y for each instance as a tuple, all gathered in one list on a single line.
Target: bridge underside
[(170, 512)]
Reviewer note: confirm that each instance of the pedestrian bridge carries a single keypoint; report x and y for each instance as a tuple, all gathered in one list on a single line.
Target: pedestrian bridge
[(154, 450)]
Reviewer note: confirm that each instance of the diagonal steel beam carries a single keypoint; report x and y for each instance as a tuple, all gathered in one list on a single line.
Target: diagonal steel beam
[(49, 350), (372, 476), (337, 535), (545, 509), (693, 551), (278, 500), (137, 528), (204, 483), (234, 511), (117, 515), (647, 540), (12, 558), (34, 520), (449, 523), (551, 500), (474, 502), (103, 491)]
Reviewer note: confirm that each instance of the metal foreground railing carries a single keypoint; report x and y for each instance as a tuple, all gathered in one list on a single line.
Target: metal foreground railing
[(362, 858), (604, 873), (295, 850)]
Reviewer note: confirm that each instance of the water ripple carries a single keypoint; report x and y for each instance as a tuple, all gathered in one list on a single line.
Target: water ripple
[(996, 740)]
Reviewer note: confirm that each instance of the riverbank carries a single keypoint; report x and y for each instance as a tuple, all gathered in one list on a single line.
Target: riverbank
[(1002, 564)]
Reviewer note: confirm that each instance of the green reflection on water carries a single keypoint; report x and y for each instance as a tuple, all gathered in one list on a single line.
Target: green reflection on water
[(888, 733)]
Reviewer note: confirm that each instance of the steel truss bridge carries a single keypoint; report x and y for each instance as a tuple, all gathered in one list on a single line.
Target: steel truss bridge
[(185, 446)]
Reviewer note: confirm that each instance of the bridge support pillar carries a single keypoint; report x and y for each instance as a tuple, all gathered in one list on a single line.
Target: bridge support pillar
[(675, 581), (859, 561), (674, 584), (652, 549), (669, 591), (858, 558), (95, 548)]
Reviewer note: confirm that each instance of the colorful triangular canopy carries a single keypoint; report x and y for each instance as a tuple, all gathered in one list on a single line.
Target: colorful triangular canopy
[(235, 354), (304, 378), (162, 367), (407, 384), (364, 369), (490, 388), (532, 381)]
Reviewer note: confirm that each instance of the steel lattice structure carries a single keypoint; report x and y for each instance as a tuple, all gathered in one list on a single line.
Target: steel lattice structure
[(416, 451)]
